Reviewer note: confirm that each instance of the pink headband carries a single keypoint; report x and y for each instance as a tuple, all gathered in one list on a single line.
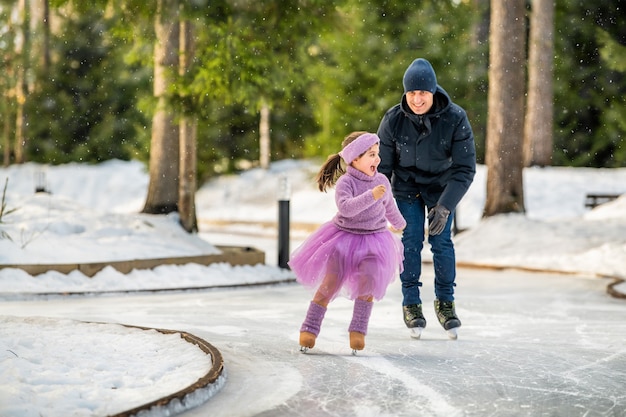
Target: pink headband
[(358, 146)]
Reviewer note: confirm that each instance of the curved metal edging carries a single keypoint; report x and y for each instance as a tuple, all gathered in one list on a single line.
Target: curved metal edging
[(209, 378), (612, 291)]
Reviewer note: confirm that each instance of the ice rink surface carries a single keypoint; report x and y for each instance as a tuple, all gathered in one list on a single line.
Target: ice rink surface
[(531, 344)]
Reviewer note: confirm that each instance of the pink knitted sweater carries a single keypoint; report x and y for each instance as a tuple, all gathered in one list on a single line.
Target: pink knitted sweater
[(358, 212)]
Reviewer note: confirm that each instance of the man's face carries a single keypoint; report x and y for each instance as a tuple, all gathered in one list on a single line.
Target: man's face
[(419, 101)]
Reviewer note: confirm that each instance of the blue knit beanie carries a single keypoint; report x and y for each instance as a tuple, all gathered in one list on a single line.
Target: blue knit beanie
[(420, 75)]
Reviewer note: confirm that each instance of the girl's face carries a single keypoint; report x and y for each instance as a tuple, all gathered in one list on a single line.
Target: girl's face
[(368, 162)]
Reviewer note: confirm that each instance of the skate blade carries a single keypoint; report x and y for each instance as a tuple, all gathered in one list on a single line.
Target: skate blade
[(354, 352), (453, 333), (304, 349), (416, 332)]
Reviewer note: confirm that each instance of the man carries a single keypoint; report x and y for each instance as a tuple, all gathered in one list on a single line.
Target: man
[(427, 151)]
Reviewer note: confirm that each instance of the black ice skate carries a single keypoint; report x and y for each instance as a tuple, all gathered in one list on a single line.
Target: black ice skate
[(414, 319), (447, 317)]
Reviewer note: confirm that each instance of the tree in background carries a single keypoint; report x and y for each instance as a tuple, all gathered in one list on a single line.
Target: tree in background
[(188, 136), (95, 101), (252, 58), (355, 70), (28, 35), (22, 53), (538, 125), (43, 17), (505, 126), (613, 54), (7, 80), (164, 146), (85, 105), (589, 101)]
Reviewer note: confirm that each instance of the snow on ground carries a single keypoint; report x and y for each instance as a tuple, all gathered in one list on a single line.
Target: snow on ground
[(91, 213), (81, 375)]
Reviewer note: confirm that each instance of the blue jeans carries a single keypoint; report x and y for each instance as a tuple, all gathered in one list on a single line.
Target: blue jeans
[(414, 211)]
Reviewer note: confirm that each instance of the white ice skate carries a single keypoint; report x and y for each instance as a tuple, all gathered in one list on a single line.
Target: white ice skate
[(415, 332), (447, 317), (453, 333), (414, 319)]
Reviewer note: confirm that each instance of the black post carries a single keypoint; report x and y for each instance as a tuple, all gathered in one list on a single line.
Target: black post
[(283, 233), (40, 182), (284, 191)]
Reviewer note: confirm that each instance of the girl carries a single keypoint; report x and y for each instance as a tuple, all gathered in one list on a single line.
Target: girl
[(354, 255)]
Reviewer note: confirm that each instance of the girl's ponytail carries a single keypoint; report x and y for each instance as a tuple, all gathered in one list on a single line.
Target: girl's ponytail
[(332, 169), (329, 172)]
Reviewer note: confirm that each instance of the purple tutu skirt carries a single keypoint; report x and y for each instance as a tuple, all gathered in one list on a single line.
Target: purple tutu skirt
[(334, 262)]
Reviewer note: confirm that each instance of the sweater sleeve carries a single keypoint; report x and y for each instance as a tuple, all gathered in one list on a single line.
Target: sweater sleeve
[(392, 213), (348, 204)]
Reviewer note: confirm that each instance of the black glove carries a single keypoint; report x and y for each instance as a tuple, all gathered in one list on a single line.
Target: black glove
[(437, 219)]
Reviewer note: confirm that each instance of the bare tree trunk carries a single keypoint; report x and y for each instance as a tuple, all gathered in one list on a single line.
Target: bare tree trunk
[(6, 132), (538, 137), (506, 108), (45, 24), (164, 145), (481, 28), (21, 90), (188, 132), (40, 45), (264, 130), (9, 101)]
